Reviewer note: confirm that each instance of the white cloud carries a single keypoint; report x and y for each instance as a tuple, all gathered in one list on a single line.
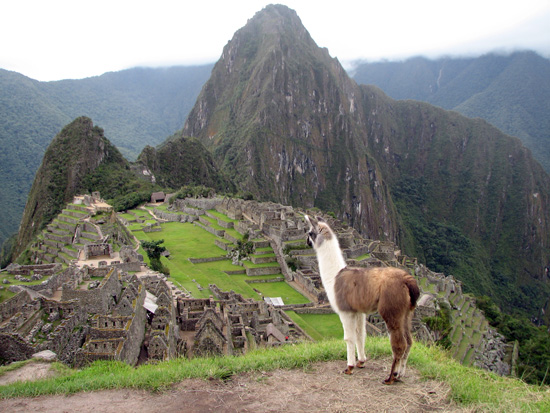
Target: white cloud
[(60, 39)]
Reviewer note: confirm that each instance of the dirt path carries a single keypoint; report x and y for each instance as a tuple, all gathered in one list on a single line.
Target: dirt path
[(319, 388)]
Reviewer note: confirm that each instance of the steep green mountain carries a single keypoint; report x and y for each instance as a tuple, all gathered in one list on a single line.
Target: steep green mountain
[(137, 107), (510, 91), (284, 120), (79, 160)]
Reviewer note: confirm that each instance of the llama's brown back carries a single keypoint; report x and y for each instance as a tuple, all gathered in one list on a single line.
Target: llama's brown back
[(367, 290)]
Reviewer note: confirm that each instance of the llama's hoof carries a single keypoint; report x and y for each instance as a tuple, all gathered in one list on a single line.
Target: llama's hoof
[(360, 364), (389, 381), (349, 370), (392, 379)]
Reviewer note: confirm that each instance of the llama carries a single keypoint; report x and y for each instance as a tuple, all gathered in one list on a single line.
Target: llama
[(355, 292)]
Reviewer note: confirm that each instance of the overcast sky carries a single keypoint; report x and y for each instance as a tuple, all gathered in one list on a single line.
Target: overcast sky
[(61, 39)]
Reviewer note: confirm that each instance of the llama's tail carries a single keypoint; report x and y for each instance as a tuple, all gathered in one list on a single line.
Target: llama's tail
[(414, 291)]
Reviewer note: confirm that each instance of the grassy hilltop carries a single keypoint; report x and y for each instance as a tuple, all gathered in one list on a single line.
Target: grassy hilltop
[(471, 388)]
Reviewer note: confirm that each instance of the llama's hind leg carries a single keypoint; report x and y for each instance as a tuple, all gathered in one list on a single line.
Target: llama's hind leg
[(409, 339), (350, 337), (361, 332), (399, 347)]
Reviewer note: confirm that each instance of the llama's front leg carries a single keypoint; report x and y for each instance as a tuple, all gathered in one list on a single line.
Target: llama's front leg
[(348, 322), (361, 332)]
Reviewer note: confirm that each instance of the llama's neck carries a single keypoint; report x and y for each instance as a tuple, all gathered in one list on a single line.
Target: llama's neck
[(331, 261)]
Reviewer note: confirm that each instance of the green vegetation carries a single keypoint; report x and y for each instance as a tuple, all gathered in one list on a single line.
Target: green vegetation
[(154, 251), (470, 388), (319, 325), (130, 200), (192, 191), (509, 91), (281, 289), (534, 342), (185, 163), (79, 160), (34, 112), (185, 241), (440, 324)]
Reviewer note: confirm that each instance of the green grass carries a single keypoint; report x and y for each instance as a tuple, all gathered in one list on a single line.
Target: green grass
[(6, 294), (250, 264), (264, 249), (159, 207), (281, 289), (140, 213), (309, 329), (363, 257), (221, 216), (471, 388), (328, 325)]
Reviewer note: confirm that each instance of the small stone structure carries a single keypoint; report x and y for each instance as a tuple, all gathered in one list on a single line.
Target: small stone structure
[(97, 250), (157, 197)]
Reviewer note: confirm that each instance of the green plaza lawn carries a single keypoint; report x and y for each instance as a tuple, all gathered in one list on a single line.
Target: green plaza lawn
[(185, 240)]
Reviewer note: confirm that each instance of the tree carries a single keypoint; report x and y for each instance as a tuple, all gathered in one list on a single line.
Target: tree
[(154, 251)]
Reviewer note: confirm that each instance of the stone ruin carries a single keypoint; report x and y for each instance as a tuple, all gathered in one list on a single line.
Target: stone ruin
[(110, 320), (226, 324), (90, 321), (97, 250)]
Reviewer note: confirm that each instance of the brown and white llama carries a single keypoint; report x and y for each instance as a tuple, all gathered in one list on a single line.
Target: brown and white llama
[(355, 292)]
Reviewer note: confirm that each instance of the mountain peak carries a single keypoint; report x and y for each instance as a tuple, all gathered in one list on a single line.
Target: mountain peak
[(276, 18), (79, 149), (276, 27)]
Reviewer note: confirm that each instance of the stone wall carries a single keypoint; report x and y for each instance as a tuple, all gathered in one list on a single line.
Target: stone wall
[(126, 266), (14, 348), (13, 305), (43, 269), (68, 336), (49, 286), (100, 299), (196, 203)]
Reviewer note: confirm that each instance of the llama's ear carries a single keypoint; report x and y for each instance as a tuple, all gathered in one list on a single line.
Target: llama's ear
[(311, 221), (320, 219)]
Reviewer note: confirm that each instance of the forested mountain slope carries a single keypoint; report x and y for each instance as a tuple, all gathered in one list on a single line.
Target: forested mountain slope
[(137, 107), (510, 91)]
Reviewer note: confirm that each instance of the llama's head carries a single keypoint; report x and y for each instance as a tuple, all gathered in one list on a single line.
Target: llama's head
[(319, 232)]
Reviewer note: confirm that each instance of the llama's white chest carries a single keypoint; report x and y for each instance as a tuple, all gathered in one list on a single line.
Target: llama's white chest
[(331, 262)]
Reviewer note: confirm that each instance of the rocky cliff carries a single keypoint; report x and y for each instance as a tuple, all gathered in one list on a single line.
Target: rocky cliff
[(286, 123)]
